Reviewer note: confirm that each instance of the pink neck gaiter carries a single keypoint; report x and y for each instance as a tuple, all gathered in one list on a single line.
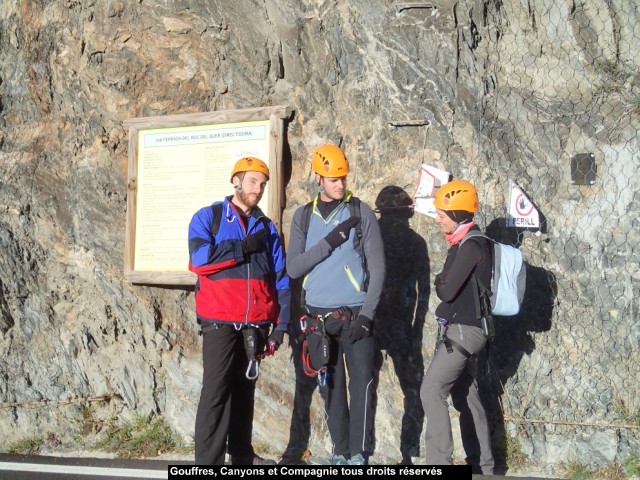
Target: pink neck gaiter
[(459, 233)]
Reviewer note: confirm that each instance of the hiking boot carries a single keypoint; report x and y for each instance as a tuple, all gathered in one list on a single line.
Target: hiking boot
[(357, 460), (251, 460), (332, 460)]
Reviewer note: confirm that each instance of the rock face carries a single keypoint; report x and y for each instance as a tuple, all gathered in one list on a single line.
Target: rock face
[(510, 91)]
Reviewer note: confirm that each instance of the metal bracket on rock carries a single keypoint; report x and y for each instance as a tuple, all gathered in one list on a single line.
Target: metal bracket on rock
[(410, 123), (407, 6)]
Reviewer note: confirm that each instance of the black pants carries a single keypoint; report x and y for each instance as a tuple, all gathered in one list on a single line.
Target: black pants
[(350, 422), (226, 398), (300, 427)]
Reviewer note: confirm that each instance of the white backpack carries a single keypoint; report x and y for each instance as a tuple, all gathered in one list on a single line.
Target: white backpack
[(508, 277)]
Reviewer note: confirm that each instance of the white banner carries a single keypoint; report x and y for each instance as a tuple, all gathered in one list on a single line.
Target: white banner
[(430, 179), (521, 212)]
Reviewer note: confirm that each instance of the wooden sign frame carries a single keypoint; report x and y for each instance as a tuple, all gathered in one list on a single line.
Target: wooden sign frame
[(170, 159)]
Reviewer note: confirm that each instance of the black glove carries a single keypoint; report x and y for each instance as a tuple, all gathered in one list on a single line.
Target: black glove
[(277, 337), (340, 234), (360, 328), (274, 341), (254, 243)]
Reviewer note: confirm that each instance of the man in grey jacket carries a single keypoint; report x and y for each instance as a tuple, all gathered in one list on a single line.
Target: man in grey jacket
[(338, 279)]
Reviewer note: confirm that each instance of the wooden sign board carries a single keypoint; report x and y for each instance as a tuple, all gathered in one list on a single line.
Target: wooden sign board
[(181, 163)]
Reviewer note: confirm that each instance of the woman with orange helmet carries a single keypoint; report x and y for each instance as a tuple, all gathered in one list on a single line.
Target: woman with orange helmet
[(453, 367)]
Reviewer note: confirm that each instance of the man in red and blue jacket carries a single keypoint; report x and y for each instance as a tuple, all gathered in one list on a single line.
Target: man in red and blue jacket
[(243, 306)]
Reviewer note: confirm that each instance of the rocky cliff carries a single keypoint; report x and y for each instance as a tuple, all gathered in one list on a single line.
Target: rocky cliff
[(508, 89)]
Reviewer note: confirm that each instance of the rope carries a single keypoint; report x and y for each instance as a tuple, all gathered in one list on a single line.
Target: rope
[(509, 418), (522, 420), (44, 403), (568, 423)]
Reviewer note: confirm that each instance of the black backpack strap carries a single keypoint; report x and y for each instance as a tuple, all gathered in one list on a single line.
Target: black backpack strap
[(481, 296), (354, 209), (265, 221), (476, 295), (306, 218), (217, 218), (307, 211), (265, 224)]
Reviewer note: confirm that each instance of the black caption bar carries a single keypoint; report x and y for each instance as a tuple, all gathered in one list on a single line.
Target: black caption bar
[(453, 472)]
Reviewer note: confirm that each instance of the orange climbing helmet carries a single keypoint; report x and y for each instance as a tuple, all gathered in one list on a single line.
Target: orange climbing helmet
[(250, 164), (457, 195), (329, 161)]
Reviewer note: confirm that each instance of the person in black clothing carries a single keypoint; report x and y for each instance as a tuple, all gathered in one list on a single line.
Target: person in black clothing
[(453, 368)]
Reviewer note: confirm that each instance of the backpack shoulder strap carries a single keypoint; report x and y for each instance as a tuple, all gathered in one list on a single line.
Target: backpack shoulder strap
[(474, 233), (217, 218), (354, 209), (307, 211), (481, 292), (306, 218), (266, 222)]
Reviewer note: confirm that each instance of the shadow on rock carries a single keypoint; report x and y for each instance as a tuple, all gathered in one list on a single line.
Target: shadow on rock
[(403, 306), (501, 359)]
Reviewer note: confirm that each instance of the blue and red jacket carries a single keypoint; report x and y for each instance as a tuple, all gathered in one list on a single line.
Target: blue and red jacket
[(234, 288)]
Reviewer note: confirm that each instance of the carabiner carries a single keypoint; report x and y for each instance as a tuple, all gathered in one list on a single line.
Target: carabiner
[(322, 377), (257, 367)]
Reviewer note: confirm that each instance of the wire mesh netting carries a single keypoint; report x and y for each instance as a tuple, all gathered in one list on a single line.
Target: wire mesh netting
[(564, 125)]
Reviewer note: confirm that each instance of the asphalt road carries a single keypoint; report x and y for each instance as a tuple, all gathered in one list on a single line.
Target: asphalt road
[(22, 467)]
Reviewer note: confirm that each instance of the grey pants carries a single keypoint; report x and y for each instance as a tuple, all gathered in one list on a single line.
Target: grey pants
[(453, 373)]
